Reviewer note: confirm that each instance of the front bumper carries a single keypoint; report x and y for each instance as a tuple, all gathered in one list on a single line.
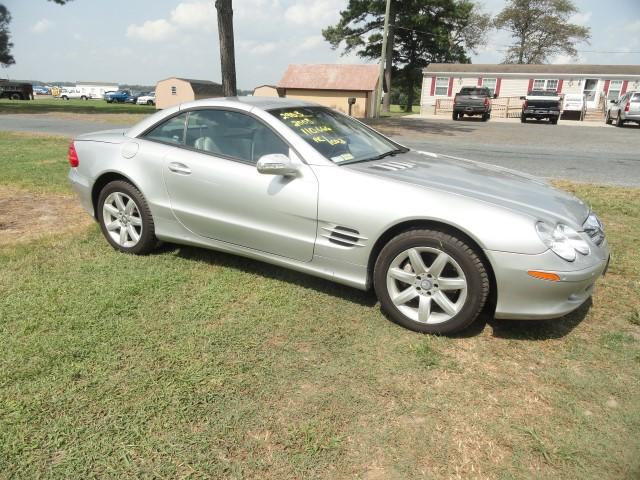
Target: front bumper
[(523, 297), (470, 109), (541, 113)]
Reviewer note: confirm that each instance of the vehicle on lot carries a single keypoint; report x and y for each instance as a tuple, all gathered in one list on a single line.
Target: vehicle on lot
[(121, 96), (67, 93), (133, 98), (41, 90), (574, 105), (16, 90), (540, 104), (472, 101), (147, 99), (625, 109), (302, 186)]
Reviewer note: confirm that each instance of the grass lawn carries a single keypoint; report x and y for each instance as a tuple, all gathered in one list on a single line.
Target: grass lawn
[(48, 105), (398, 111), (191, 363)]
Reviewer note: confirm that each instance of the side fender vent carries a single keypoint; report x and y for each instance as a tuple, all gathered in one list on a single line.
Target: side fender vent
[(343, 236)]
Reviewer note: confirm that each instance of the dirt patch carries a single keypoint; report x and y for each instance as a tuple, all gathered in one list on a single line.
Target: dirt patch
[(25, 216)]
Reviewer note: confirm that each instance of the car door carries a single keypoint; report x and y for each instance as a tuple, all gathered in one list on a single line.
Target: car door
[(216, 191)]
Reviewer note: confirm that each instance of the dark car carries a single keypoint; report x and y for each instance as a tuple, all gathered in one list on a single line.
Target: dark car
[(540, 104), (16, 90), (472, 101), (121, 96)]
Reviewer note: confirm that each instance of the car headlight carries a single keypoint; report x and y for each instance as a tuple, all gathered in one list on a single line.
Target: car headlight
[(562, 240)]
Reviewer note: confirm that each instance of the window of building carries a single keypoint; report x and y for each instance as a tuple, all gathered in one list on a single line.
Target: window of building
[(174, 90), (615, 87), (490, 83), (171, 131), (550, 85), (232, 134), (442, 86)]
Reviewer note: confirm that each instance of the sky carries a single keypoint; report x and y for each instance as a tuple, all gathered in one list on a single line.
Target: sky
[(143, 41)]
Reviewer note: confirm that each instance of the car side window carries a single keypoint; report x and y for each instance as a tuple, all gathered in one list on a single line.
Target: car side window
[(232, 134), (171, 131)]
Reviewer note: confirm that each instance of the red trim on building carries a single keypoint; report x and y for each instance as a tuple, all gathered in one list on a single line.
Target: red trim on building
[(433, 86), (479, 81), (625, 84), (530, 87), (606, 87), (560, 83), (450, 91), (498, 85)]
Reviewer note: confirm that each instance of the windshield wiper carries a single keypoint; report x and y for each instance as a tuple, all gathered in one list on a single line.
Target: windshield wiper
[(390, 153)]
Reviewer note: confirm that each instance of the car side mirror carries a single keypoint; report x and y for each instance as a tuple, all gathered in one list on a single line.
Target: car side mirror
[(277, 164), (613, 101)]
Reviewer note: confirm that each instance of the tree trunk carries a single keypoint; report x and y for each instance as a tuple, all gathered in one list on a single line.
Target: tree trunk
[(410, 92), (386, 105), (227, 50)]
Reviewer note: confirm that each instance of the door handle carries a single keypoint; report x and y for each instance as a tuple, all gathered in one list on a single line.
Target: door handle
[(179, 168)]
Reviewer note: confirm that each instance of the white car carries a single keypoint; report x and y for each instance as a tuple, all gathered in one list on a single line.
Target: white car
[(69, 93), (575, 104), (147, 99)]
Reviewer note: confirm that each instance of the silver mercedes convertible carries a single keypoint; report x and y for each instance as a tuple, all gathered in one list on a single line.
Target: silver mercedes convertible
[(302, 186)]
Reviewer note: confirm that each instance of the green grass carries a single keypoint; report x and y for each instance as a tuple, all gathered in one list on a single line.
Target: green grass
[(47, 105), (191, 363), (398, 111)]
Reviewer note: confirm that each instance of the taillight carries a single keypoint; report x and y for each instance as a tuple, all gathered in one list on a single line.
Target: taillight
[(627, 106), (73, 156), (486, 101)]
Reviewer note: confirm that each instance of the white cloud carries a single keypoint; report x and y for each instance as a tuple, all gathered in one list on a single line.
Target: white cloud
[(309, 43), (581, 18), (195, 15), (314, 12), (41, 26), (151, 30), (633, 27)]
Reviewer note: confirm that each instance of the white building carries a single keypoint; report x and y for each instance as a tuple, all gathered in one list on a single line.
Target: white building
[(597, 82), (96, 89)]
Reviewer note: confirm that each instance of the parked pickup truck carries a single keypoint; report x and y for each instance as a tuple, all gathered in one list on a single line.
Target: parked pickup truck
[(541, 104), (472, 101), (121, 96)]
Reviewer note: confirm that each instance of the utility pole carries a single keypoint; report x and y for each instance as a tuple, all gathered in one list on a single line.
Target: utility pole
[(383, 57), (227, 49)]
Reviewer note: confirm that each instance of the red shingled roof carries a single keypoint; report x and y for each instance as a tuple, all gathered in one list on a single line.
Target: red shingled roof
[(331, 77)]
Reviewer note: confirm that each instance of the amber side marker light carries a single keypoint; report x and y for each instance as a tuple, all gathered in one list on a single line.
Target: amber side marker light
[(552, 277)]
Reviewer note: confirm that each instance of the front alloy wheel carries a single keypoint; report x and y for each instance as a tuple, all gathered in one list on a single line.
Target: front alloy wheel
[(430, 281)]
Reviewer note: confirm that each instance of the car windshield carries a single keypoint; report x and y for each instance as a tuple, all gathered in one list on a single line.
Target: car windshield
[(474, 91), (337, 137)]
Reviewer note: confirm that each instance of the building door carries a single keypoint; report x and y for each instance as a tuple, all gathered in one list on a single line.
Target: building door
[(591, 92)]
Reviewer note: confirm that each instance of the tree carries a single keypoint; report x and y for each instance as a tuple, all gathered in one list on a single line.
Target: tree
[(6, 58), (420, 32), (540, 30), (227, 49)]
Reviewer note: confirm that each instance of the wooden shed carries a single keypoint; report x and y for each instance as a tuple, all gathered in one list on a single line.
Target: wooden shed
[(173, 91)]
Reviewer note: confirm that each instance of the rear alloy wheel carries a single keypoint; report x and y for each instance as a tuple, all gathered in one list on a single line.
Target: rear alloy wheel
[(125, 218), (431, 282)]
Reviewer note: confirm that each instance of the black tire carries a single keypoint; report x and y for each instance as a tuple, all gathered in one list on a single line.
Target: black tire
[(84, 97), (455, 116), (466, 257), (485, 117), (607, 118), (16, 96), (148, 240), (619, 121), (149, 102), (553, 121)]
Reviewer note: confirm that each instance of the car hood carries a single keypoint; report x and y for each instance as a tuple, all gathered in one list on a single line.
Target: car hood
[(497, 185)]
